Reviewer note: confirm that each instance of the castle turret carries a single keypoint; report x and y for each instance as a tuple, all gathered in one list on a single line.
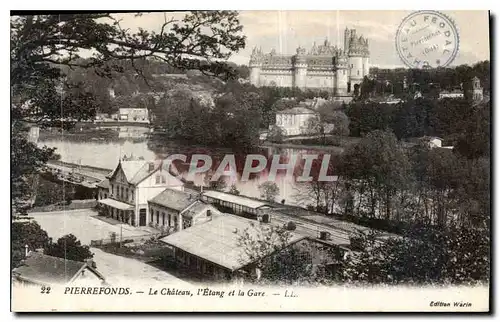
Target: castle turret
[(300, 68), (357, 58), (255, 66), (347, 36), (477, 90)]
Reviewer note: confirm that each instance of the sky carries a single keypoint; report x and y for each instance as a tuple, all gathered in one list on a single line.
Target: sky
[(284, 31)]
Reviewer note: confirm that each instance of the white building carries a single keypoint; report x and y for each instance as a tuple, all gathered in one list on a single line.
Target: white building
[(44, 270), (435, 142), (239, 205), (131, 185), (295, 121), (477, 89), (174, 210), (133, 114)]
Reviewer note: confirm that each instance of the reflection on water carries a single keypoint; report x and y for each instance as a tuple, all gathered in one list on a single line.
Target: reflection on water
[(105, 153)]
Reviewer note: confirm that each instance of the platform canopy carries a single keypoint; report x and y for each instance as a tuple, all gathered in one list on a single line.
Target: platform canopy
[(116, 204)]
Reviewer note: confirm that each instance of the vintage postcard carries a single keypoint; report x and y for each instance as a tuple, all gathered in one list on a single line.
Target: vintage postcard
[(258, 161)]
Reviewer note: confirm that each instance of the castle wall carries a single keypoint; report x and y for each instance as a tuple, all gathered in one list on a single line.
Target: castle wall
[(300, 79), (279, 78), (255, 75), (320, 80), (341, 82)]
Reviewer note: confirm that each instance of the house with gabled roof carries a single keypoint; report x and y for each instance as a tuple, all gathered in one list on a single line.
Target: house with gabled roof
[(295, 121), (131, 184), (173, 210), (44, 270), (213, 248)]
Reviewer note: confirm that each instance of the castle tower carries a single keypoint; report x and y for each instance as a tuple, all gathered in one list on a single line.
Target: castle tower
[(347, 36), (300, 68), (358, 58), (341, 76), (355, 61), (477, 90), (255, 66)]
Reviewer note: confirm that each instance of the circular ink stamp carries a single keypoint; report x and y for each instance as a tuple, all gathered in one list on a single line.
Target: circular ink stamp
[(427, 39)]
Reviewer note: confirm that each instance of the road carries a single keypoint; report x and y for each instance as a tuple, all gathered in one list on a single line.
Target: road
[(83, 224), (116, 269), (119, 270)]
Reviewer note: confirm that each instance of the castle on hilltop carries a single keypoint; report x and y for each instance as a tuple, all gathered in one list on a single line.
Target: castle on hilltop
[(324, 67)]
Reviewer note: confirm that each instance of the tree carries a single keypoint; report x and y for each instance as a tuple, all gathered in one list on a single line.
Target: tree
[(291, 226), (325, 194), (269, 190), (423, 256), (268, 248), (238, 117), (233, 121), (316, 126), (377, 167), (356, 91), (217, 185), (448, 185), (243, 71), (275, 134), (69, 247), (370, 116), (473, 140), (367, 87), (42, 45), (340, 123), (234, 190), (26, 233)]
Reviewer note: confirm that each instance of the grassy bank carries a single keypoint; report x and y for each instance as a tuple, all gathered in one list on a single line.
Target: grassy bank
[(329, 148), (151, 250)]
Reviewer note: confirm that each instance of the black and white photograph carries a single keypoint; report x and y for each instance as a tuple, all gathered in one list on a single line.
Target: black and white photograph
[(250, 161)]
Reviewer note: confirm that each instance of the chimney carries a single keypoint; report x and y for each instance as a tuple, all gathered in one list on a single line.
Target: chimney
[(26, 250)]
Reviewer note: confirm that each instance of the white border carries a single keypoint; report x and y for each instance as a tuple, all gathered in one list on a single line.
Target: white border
[(197, 4)]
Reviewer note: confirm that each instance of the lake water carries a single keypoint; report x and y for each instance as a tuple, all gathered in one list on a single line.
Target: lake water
[(95, 150)]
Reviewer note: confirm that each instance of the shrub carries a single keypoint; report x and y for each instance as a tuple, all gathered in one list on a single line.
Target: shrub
[(112, 237), (275, 134), (357, 243), (291, 225)]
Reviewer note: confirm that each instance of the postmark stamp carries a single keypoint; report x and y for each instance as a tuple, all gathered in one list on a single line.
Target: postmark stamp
[(427, 39)]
